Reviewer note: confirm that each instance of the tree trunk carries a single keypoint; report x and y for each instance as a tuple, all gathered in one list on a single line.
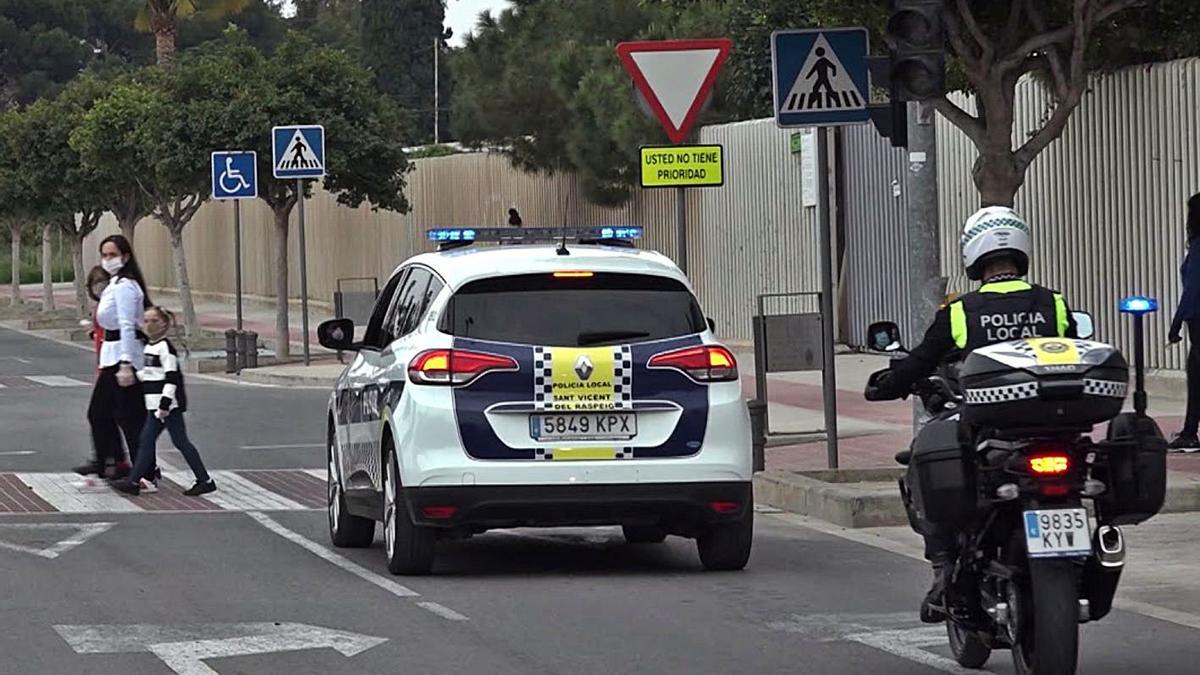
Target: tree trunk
[(181, 279), (997, 177), (164, 46), (283, 348), (47, 268), (127, 228), (81, 299), (14, 228)]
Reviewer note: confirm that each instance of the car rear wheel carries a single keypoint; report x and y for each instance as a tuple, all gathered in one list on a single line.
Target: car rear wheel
[(726, 546), (409, 547), (644, 534), (345, 529)]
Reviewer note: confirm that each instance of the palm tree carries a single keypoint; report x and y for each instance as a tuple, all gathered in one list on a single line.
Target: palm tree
[(161, 17)]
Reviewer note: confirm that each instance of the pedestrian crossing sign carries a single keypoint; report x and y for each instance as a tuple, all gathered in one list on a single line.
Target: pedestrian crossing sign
[(298, 151), (820, 77)]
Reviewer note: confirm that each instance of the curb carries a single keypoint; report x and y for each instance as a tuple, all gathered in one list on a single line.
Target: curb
[(858, 498), (274, 379)]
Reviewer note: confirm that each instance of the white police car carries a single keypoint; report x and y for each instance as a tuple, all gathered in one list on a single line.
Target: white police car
[(520, 385)]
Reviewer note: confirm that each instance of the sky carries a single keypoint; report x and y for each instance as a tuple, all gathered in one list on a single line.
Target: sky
[(460, 15)]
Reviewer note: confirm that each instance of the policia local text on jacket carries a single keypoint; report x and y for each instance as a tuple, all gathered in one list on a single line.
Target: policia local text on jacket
[(1004, 308)]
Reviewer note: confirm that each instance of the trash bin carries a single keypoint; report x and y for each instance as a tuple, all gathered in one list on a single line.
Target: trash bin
[(758, 432), (231, 351)]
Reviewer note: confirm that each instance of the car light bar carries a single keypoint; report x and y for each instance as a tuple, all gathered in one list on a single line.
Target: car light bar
[(1138, 304), (533, 235)]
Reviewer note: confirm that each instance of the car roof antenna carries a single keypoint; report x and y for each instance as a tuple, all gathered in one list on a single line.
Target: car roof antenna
[(562, 244)]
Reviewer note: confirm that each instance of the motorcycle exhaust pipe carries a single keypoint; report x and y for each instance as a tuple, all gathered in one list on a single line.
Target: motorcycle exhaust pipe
[(1109, 545)]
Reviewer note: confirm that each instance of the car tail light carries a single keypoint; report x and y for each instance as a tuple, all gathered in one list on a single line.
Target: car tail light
[(1050, 464), (570, 274), (706, 363), (723, 507), (439, 512), (455, 367)]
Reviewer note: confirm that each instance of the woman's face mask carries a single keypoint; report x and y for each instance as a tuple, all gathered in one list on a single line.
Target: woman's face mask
[(155, 326), (112, 265)]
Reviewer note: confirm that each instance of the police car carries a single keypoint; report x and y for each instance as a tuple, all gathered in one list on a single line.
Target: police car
[(561, 378)]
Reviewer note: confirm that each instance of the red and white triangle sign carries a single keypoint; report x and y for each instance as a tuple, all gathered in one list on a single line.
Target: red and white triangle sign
[(675, 77)]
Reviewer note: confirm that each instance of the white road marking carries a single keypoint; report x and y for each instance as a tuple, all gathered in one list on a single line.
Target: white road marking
[(16, 453), (323, 474), (331, 557), (56, 381), (908, 643), (442, 611), (235, 493), (81, 532), (60, 490), (184, 650), (915, 551), (18, 359), (283, 447)]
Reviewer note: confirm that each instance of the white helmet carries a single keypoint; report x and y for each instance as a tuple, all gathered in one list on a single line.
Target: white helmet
[(994, 231)]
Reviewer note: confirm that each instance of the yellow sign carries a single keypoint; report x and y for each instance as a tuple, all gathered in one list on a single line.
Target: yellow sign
[(582, 379), (683, 166)]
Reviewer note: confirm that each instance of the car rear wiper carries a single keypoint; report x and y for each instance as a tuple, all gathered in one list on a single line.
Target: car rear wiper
[(601, 336)]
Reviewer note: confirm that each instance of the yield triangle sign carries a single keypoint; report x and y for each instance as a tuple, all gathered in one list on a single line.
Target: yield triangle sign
[(48, 540), (675, 77)]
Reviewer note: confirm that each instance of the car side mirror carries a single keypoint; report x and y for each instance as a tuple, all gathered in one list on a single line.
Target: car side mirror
[(337, 334), (712, 326), (1085, 327), (884, 336)]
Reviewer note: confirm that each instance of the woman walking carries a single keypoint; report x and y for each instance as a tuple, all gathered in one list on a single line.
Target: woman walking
[(117, 406), (1189, 312)]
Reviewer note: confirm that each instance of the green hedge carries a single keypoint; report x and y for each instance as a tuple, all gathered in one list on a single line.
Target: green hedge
[(31, 268)]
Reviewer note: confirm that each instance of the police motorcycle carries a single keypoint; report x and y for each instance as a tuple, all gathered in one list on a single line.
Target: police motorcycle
[(1007, 462)]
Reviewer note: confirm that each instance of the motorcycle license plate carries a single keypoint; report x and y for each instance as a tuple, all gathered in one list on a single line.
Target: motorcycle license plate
[(1058, 533)]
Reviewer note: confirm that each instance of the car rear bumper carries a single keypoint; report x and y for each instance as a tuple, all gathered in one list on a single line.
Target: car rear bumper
[(680, 507)]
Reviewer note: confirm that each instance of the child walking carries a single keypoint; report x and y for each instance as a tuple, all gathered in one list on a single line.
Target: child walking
[(166, 400)]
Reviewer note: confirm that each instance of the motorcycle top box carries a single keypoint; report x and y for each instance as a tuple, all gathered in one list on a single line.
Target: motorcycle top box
[(1044, 382)]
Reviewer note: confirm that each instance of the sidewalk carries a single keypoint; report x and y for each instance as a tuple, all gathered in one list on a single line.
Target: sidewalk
[(869, 434)]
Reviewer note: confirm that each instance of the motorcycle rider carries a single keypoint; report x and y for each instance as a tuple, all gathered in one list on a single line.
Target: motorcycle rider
[(995, 250)]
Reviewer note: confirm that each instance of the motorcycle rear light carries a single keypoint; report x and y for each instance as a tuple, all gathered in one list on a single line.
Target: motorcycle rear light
[(723, 507), (705, 363), (1050, 465), (1055, 490), (455, 367), (439, 512)]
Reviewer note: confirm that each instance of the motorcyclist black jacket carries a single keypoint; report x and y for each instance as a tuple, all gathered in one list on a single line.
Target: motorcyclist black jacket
[(1001, 310)]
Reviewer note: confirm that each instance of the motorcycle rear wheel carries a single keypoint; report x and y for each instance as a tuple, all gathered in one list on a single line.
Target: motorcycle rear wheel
[(1048, 633), (970, 650)]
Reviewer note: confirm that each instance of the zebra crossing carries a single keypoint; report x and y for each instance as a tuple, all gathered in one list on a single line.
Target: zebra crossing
[(37, 381), (238, 490)]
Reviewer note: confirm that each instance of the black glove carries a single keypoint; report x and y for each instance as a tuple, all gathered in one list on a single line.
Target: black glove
[(880, 386)]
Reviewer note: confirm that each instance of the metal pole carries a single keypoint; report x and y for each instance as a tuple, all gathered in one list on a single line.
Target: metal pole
[(1139, 366), (237, 258), (436, 92), (926, 287), (681, 227), (828, 367), (303, 271)]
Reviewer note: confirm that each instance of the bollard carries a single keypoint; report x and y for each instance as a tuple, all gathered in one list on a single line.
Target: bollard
[(243, 350), (251, 349), (231, 351), (758, 433)]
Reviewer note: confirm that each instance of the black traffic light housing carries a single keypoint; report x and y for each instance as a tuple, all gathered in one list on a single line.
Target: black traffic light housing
[(891, 118), (917, 42)]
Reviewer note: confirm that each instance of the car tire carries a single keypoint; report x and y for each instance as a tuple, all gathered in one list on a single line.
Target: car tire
[(726, 546), (408, 546), (346, 530), (644, 534)]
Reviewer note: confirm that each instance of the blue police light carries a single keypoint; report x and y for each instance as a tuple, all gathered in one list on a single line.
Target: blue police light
[(444, 234), (1138, 304)]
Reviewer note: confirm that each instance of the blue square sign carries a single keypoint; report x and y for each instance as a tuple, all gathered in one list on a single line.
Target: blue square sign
[(298, 151), (235, 175), (820, 77)]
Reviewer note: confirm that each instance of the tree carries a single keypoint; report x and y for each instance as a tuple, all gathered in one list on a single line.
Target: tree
[(162, 17), (398, 41), (1061, 42), (11, 194), (41, 47)]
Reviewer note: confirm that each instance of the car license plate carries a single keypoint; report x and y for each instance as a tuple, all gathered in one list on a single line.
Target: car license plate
[(583, 426), (1054, 533)]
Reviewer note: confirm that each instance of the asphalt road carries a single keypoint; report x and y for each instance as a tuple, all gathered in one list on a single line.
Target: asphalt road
[(240, 589)]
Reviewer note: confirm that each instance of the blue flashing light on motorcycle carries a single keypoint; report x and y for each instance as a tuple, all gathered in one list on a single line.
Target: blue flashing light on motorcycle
[(1138, 305)]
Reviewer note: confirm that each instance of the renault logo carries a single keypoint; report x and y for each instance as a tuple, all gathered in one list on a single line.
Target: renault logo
[(584, 367)]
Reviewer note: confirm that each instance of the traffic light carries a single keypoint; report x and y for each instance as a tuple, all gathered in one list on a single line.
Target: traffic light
[(891, 118), (917, 41)]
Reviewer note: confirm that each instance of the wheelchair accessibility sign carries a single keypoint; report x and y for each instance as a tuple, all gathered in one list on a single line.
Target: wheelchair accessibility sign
[(234, 175)]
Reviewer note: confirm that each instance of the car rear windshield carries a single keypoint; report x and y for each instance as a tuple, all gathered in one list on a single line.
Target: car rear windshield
[(561, 311)]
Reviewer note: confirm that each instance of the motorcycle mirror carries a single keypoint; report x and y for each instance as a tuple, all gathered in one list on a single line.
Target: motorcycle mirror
[(1085, 328), (884, 336)]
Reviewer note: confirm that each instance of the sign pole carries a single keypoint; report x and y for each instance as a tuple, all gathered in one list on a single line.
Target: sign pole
[(681, 227), (828, 377), (303, 271), (237, 258)]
